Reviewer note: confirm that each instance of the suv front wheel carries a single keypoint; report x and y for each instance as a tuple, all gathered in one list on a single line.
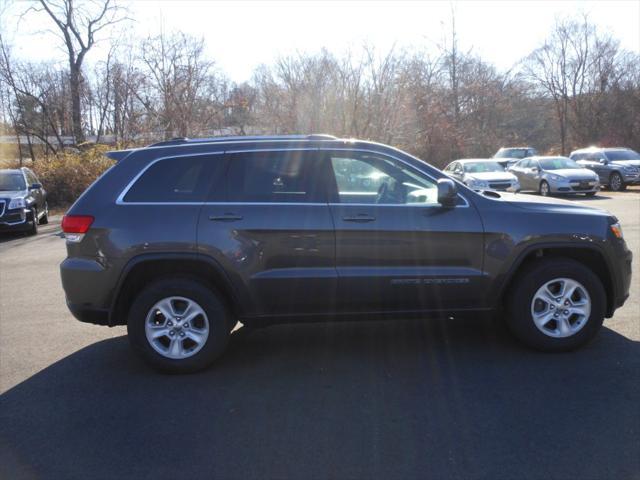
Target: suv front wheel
[(556, 304), (616, 183), (178, 325)]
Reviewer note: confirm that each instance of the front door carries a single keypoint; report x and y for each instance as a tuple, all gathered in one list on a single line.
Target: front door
[(397, 249)]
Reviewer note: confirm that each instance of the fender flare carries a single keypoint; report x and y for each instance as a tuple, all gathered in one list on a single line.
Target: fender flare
[(515, 266), (153, 257)]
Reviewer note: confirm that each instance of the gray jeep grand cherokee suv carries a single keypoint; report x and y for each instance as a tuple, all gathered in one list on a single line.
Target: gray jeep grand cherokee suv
[(182, 239)]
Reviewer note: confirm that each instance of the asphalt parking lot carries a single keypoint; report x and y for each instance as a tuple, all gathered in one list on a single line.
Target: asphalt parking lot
[(403, 399)]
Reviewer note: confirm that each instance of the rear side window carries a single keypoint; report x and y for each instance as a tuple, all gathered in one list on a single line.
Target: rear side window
[(176, 180), (274, 177)]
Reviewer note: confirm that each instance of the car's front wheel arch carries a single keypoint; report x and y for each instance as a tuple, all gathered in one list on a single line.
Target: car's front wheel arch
[(589, 256)]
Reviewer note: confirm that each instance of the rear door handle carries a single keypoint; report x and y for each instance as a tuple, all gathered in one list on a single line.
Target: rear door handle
[(227, 217), (360, 218)]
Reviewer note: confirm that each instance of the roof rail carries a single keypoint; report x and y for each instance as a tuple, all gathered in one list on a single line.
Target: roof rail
[(246, 138), (173, 141)]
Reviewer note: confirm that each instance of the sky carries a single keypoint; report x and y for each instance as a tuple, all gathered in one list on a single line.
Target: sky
[(243, 34)]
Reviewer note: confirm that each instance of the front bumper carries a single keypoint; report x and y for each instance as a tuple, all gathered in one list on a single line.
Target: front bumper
[(568, 187), (622, 258), (498, 186), (631, 178), (15, 220)]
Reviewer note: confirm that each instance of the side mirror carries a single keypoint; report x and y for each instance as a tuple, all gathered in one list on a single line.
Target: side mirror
[(604, 161), (35, 186), (447, 192), (535, 169)]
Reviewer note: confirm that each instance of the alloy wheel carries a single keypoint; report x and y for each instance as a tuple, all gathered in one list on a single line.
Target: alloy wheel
[(561, 307), (544, 189), (615, 182), (177, 327)]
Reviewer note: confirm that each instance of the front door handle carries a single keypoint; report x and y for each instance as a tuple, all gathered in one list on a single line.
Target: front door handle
[(227, 217), (360, 218)]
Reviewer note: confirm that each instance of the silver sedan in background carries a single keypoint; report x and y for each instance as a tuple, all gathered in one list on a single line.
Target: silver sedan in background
[(555, 175), (482, 174)]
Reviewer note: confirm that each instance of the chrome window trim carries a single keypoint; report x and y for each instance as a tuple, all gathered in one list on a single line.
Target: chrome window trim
[(120, 198)]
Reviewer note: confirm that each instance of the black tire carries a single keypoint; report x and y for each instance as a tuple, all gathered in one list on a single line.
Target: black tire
[(206, 297), (590, 194), (45, 218), (34, 222), (616, 182), (520, 320), (545, 192)]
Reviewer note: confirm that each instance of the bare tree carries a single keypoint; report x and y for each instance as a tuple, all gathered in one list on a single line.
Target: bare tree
[(78, 24), (184, 89)]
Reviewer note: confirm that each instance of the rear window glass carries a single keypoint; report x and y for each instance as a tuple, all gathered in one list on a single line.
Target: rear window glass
[(275, 177), (175, 180)]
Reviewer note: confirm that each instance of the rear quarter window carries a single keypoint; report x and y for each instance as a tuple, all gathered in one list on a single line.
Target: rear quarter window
[(177, 180)]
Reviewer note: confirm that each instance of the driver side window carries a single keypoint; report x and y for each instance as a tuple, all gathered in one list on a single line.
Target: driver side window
[(375, 179)]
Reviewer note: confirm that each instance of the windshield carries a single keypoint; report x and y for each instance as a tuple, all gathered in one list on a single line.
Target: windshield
[(479, 167), (622, 155), (512, 153), (557, 163), (10, 181)]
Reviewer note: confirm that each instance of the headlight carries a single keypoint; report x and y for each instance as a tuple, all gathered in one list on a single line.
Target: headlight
[(555, 178), (17, 202), (474, 183), (630, 169)]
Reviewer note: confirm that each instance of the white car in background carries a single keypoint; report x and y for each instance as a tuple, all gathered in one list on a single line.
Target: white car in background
[(482, 174)]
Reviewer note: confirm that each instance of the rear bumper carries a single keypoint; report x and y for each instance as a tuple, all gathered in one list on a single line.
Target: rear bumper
[(89, 314), (87, 285)]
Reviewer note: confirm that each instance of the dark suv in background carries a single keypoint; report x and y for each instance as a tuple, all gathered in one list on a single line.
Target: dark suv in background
[(508, 156), (23, 201), (182, 239), (616, 167)]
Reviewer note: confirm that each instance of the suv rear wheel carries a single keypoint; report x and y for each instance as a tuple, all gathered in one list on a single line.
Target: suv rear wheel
[(556, 305), (178, 325)]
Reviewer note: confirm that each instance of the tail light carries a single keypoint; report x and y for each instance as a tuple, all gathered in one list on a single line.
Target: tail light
[(75, 226)]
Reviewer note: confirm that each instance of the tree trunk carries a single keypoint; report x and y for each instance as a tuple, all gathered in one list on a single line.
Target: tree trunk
[(76, 117)]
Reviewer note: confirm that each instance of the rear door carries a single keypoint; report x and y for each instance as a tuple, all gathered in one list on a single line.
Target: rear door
[(397, 249), (273, 233)]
